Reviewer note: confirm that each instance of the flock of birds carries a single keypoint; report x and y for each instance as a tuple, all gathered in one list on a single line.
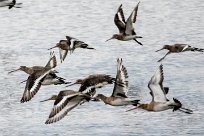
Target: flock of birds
[(67, 100)]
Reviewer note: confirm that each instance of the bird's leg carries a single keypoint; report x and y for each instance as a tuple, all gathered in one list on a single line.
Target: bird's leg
[(164, 57), (138, 42), (185, 110), (23, 81)]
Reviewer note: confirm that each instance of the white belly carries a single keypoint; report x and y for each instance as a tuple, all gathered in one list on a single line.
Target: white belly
[(121, 102), (162, 106), (130, 37)]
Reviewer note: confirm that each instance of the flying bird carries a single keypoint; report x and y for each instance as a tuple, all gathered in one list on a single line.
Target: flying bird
[(69, 45), (9, 3), (126, 29), (39, 75), (176, 48), (65, 101), (159, 100), (94, 81), (119, 97)]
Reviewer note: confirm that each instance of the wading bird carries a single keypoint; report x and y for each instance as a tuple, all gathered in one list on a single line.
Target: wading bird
[(69, 45), (159, 100), (65, 101), (118, 97), (39, 75), (126, 29), (94, 81), (176, 48), (9, 3)]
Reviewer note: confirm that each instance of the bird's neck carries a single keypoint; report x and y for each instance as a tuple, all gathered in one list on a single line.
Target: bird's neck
[(28, 70)]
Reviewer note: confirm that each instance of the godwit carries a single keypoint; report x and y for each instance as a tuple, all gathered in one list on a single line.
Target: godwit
[(52, 78), (65, 101), (94, 81), (37, 75), (69, 45), (52, 63), (118, 97), (126, 29), (159, 100), (176, 48), (9, 3)]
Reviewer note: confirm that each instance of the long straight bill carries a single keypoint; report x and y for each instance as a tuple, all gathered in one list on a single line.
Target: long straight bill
[(13, 71), (71, 84), (109, 39), (131, 109), (159, 50)]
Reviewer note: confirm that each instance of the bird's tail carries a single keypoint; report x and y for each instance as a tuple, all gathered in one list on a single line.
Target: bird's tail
[(61, 81), (135, 102), (178, 104), (196, 49)]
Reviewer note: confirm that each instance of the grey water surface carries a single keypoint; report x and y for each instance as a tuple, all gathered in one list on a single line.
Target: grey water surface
[(26, 34)]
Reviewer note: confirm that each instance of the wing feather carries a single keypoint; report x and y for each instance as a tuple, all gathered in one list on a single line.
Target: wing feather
[(33, 85), (62, 110), (156, 86), (121, 84), (119, 19), (129, 29), (52, 63), (63, 54), (95, 81)]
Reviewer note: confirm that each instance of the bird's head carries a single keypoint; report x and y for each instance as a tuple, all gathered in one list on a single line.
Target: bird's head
[(53, 97), (115, 36)]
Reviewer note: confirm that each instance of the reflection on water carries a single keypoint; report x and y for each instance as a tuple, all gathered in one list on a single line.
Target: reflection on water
[(27, 33)]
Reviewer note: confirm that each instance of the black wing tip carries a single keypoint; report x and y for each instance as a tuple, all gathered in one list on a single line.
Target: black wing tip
[(119, 7), (136, 102), (178, 106), (161, 68), (119, 60), (24, 100), (166, 89), (48, 121)]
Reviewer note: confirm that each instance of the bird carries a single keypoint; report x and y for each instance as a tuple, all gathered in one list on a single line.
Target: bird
[(159, 100), (69, 45), (126, 29), (176, 48), (93, 81), (52, 78), (9, 3), (37, 76), (118, 97), (52, 63), (65, 101)]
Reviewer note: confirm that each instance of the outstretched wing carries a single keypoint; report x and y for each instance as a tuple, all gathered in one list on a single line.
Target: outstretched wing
[(52, 63), (121, 84), (129, 29), (119, 19), (156, 86), (33, 85), (95, 81), (60, 111)]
